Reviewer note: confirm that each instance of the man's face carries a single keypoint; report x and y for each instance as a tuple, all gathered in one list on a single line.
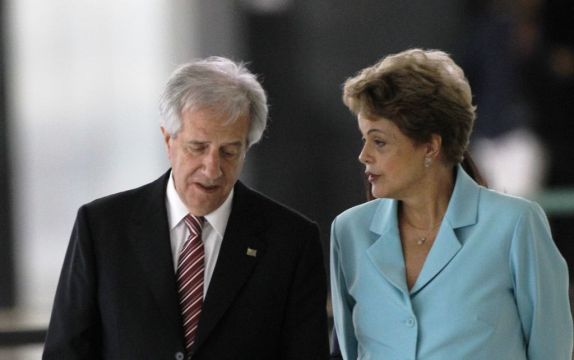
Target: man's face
[(206, 156)]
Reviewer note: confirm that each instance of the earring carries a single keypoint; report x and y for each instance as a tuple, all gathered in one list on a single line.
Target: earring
[(427, 162)]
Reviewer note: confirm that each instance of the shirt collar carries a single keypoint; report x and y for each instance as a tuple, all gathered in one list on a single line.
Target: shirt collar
[(176, 210)]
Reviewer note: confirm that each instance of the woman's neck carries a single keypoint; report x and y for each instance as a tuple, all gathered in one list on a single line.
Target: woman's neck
[(425, 209)]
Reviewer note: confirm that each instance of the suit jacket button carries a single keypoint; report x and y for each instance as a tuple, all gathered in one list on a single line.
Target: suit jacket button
[(179, 355)]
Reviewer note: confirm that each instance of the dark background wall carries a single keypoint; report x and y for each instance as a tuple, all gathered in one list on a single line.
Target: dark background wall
[(308, 158)]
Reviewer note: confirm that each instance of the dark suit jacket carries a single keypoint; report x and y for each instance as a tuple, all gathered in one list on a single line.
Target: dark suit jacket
[(117, 295)]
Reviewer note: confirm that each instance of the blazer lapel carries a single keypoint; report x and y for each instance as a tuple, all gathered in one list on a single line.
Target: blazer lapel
[(386, 252), (235, 262), (150, 239), (462, 211), (443, 250)]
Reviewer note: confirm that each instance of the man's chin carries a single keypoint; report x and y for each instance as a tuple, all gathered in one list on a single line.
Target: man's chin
[(204, 202)]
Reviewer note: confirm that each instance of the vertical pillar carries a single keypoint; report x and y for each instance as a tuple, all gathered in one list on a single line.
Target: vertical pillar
[(7, 296)]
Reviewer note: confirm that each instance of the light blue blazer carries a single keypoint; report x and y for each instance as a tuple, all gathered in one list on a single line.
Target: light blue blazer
[(493, 286)]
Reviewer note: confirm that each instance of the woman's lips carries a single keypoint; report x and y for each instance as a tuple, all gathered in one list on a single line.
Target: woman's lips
[(371, 177)]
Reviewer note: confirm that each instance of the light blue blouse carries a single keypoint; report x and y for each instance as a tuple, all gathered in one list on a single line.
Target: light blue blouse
[(493, 286)]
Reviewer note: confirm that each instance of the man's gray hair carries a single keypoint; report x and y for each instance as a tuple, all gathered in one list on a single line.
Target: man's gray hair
[(219, 84)]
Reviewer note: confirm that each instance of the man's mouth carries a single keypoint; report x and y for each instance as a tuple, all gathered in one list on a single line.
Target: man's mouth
[(207, 188)]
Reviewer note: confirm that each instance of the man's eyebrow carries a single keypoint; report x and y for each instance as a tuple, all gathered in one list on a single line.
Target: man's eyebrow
[(199, 142), (196, 142)]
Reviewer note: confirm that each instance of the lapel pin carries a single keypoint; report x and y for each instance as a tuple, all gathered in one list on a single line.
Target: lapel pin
[(251, 252)]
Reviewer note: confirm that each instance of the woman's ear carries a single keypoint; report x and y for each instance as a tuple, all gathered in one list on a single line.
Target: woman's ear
[(433, 147)]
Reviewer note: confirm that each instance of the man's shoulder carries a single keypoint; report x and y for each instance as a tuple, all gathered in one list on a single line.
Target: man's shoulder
[(120, 201), (255, 201)]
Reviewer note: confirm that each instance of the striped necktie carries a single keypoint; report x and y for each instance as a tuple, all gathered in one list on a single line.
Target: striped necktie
[(190, 271)]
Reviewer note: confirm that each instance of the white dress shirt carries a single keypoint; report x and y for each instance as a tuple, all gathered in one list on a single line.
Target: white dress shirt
[(212, 232)]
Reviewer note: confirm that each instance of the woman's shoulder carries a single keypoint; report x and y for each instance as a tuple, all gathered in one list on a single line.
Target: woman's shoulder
[(353, 228), (498, 202), (361, 209), (362, 214)]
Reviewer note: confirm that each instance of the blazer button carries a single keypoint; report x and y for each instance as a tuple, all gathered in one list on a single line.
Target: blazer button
[(179, 355), (410, 322)]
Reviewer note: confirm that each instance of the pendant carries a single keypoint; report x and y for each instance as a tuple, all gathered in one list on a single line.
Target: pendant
[(421, 240)]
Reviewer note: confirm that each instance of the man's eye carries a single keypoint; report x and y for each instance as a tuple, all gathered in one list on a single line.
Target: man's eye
[(380, 143), (195, 149), (229, 152)]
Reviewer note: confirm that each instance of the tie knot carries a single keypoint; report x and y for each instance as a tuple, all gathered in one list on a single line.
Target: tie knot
[(194, 223)]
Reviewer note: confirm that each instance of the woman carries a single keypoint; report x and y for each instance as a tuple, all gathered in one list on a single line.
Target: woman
[(438, 267)]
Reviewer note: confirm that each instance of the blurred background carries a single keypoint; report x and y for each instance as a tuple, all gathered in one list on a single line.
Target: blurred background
[(80, 81)]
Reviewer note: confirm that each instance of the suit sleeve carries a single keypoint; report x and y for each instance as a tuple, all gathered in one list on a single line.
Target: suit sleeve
[(74, 331), (541, 285), (305, 334), (342, 301)]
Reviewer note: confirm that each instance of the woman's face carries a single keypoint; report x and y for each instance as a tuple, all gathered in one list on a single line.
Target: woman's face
[(394, 164)]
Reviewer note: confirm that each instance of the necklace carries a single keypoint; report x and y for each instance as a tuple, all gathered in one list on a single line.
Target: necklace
[(422, 239)]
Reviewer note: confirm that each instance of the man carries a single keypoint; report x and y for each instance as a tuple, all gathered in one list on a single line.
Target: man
[(194, 265)]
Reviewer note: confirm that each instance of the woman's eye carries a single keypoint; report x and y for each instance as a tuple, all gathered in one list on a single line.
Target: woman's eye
[(380, 143)]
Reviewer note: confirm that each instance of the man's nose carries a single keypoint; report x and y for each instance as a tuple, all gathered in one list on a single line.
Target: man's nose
[(212, 165)]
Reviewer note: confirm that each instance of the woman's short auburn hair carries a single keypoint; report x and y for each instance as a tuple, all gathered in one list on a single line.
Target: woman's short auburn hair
[(423, 92)]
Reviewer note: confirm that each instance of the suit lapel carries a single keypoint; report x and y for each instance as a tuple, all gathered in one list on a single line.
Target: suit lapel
[(235, 262), (386, 252), (462, 211), (150, 239), (443, 250)]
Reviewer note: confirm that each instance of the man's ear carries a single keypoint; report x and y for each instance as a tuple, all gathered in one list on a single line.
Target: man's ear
[(166, 137)]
